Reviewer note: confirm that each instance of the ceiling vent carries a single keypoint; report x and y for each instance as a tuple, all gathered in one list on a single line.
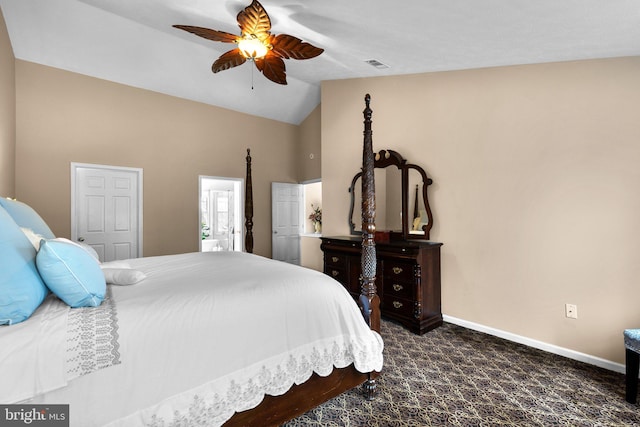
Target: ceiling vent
[(375, 63)]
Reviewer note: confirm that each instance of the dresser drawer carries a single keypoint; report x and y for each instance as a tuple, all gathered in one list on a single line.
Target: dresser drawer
[(333, 260), (398, 271), (339, 274), (398, 289), (397, 306)]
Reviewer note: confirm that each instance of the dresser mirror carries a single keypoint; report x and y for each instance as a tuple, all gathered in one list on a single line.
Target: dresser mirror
[(402, 205)]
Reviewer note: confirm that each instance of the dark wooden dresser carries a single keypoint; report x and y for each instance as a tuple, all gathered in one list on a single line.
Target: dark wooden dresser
[(408, 277)]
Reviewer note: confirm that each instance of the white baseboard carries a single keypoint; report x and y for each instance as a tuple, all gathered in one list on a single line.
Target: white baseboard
[(571, 354)]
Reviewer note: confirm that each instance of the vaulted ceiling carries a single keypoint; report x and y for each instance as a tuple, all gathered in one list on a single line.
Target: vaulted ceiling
[(133, 42)]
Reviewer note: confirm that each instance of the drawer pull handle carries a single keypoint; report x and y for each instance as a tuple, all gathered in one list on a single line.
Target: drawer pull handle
[(334, 273), (335, 259), (397, 270), (397, 304), (397, 287)]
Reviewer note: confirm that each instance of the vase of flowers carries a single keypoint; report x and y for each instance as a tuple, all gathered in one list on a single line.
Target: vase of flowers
[(316, 218), (206, 231)]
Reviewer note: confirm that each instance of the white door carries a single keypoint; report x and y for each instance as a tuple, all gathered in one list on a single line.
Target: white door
[(286, 221), (106, 210)]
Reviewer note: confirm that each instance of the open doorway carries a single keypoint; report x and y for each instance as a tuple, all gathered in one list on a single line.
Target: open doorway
[(312, 191), (221, 207), (310, 254)]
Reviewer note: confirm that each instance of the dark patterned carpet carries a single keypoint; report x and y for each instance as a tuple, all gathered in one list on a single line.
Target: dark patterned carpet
[(453, 376)]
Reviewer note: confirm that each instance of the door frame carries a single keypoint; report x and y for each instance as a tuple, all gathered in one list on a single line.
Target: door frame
[(240, 200), (138, 171)]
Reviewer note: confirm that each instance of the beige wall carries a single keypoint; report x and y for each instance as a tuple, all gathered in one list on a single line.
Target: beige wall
[(535, 194), (308, 146), (64, 117), (310, 254), (310, 169), (7, 114)]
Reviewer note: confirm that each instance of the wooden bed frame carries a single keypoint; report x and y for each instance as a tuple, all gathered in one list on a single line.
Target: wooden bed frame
[(275, 410)]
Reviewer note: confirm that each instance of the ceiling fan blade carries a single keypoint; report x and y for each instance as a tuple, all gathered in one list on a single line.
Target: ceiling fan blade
[(254, 20), (215, 35), (273, 68), (231, 59), (288, 46)]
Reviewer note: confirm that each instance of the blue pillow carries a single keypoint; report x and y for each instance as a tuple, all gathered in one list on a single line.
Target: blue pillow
[(21, 288), (26, 217), (71, 273)]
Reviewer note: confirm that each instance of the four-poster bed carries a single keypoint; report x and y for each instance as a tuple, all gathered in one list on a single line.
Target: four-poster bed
[(318, 389), (199, 339)]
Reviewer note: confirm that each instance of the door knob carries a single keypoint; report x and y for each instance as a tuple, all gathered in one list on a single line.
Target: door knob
[(80, 239), (275, 232)]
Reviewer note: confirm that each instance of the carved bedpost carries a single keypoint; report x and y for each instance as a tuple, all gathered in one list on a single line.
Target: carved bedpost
[(248, 206), (368, 297), (369, 300)]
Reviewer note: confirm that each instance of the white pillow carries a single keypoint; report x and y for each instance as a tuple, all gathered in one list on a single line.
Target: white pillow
[(123, 276), (90, 250), (33, 237), (115, 264)]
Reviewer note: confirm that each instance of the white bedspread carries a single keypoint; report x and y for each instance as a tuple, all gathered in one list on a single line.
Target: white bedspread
[(54, 346), (208, 334), (29, 350)]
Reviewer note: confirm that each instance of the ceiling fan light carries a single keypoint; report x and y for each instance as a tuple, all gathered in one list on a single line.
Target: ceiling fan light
[(255, 43), (252, 48)]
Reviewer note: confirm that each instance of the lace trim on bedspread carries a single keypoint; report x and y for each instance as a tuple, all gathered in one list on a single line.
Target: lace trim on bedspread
[(211, 405), (92, 338)]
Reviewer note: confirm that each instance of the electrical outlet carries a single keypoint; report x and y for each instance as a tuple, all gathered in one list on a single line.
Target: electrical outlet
[(571, 311)]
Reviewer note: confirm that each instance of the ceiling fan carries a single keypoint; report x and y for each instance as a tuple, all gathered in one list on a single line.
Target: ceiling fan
[(257, 44)]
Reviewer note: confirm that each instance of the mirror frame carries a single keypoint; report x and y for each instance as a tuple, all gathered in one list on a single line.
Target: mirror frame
[(384, 159)]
